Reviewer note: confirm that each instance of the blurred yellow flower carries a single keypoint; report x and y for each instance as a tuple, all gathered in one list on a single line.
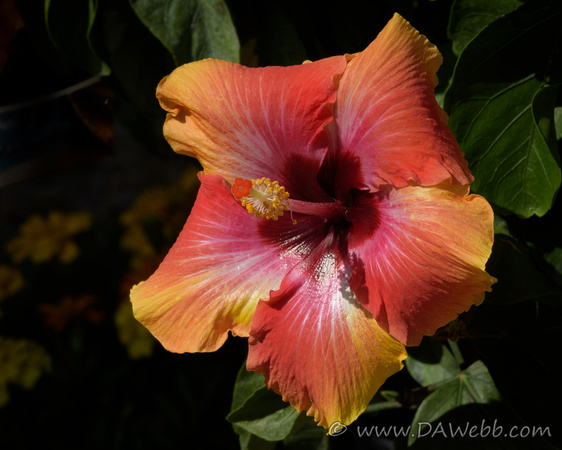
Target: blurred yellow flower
[(22, 362), (11, 281), (42, 239), (136, 338), (185, 184), (136, 241), (152, 202), (163, 204), (150, 205)]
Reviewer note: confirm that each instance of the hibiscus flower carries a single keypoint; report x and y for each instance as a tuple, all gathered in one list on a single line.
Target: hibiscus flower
[(333, 225)]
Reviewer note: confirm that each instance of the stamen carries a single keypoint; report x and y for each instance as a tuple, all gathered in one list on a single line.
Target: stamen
[(263, 198), (267, 199)]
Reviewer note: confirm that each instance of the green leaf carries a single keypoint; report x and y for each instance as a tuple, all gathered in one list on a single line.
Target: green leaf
[(138, 62), (377, 407), (501, 226), (307, 435), (191, 29), (558, 122), (266, 416), (260, 411), (501, 109), (249, 441), (468, 17), (246, 385), (280, 43), (471, 387), (431, 363), (554, 258), (519, 276), (69, 24)]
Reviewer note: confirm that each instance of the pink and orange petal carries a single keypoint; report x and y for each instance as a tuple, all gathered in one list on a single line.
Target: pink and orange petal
[(387, 117), (212, 278), (244, 122), (423, 261), (317, 346)]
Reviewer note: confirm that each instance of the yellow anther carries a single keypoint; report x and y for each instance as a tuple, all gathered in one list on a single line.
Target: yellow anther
[(262, 197)]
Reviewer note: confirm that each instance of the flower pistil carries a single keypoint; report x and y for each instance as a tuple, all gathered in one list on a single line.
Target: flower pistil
[(262, 197), (268, 199)]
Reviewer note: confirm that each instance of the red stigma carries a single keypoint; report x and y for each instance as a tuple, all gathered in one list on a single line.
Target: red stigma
[(241, 188)]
